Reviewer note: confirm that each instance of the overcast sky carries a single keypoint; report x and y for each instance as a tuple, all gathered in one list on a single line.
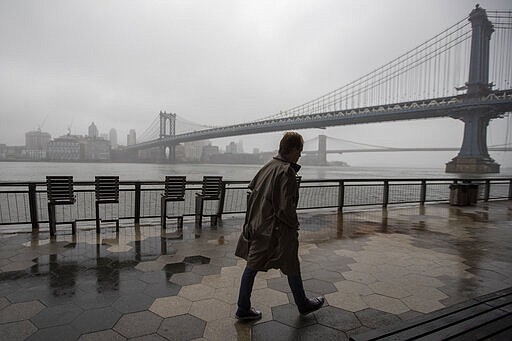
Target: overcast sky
[(118, 63)]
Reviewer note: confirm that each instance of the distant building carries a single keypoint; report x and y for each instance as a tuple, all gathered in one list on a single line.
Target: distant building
[(95, 149), (3, 151), (36, 142), (93, 131), (235, 148), (231, 148), (208, 151), (255, 150), (131, 138), (65, 148), (113, 138), (194, 150)]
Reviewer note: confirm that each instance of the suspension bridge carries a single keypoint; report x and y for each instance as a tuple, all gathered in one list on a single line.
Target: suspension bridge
[(464, 73), (318, 147)]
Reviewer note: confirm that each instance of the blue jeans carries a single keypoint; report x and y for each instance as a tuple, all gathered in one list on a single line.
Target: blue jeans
[(247, 282)]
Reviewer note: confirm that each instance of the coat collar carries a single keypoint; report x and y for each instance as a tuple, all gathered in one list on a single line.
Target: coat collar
[(296, 167)]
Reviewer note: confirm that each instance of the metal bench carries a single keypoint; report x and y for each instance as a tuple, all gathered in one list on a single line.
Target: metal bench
[(211, 190), (59, 190), (107, 192), (484, 317), (174, 191)]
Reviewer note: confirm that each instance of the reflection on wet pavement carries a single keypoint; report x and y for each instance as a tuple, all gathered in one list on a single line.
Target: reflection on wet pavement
[(375, 267)]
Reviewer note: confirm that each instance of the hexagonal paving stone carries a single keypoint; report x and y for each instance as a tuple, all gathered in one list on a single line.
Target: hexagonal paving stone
[(206, 269), (389, 289), (20, 311), (289, 315), (337, 318), (279, 284), (197, 259), (133, 302), (186, 278), (162, 289), (138, 324), (55, 333), (57, 315), (318, 286), (196, 292), (211, 309), (319, 332), (227, 329), (347, 301), (219, 281), (375, 319), (422, 304), (361, 277), (353, 287), (96, 320), (170, 306), (108, 334), (269, 297), (273, 330), (15, 331), (228, 295), (183, 327), (149, 266), (176, 268)]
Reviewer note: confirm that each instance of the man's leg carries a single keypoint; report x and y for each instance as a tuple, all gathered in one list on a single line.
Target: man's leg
[(304, 304), (245, 312)]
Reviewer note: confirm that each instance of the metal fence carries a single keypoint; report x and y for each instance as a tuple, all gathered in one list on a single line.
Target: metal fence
[(26, 202)]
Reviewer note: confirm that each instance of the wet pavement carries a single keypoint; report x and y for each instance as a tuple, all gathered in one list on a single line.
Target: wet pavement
[(375, 268)]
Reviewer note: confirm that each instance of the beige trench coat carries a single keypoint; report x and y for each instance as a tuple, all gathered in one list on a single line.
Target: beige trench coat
[(269, 238)]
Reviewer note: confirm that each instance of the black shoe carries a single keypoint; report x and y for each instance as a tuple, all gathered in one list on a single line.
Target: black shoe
[(312, 305), (252, 314)]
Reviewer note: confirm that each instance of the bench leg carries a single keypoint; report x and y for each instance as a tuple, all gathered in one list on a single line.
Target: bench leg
[(51, 219), (180, 222), (199, 212), (117, 225), (97, 218), (73, 227), (213, 221), (163, 213)]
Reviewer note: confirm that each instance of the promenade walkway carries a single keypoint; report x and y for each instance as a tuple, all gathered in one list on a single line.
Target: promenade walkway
[(375, 268)]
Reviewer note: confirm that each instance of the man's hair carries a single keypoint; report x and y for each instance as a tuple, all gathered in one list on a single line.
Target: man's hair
[(290, 140)]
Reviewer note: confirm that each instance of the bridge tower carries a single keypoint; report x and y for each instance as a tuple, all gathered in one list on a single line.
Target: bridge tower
[(168, 129), (322, 150), (473, 156)]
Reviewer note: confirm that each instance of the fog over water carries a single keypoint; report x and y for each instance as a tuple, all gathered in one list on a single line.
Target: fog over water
[(37, 171)]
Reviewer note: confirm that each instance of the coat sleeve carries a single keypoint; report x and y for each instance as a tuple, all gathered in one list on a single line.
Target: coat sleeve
[(285, 199)]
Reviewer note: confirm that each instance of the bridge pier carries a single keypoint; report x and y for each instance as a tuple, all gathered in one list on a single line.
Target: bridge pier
[(322, 150), (474, 156)]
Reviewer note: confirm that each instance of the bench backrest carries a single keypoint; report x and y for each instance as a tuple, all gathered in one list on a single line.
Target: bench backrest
[(175, 187), (107, 188), (60, 189), (212, 187)]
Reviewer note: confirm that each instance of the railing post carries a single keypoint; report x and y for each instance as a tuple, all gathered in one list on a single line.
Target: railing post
[(385, 194), (423, 192), (32, 202), (510, 190), (137, 203), (221, 200), (487, 190), (341, 195)]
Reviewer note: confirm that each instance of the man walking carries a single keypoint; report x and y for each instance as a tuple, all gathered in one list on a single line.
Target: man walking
[(269, 239)]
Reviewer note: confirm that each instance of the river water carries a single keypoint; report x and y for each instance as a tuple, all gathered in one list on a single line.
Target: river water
[(37, 171)]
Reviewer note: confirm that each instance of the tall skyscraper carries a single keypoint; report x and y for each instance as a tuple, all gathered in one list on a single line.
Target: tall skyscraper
[(93, 131), (113, 138), (131, 138)]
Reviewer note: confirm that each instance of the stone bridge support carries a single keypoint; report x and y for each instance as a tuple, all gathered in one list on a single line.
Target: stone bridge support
[(473, 156)]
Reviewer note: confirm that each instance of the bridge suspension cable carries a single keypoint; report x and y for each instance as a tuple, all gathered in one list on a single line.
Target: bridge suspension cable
[(151, 131)]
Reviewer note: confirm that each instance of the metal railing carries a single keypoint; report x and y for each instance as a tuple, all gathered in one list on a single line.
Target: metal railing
[(25, 203)]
